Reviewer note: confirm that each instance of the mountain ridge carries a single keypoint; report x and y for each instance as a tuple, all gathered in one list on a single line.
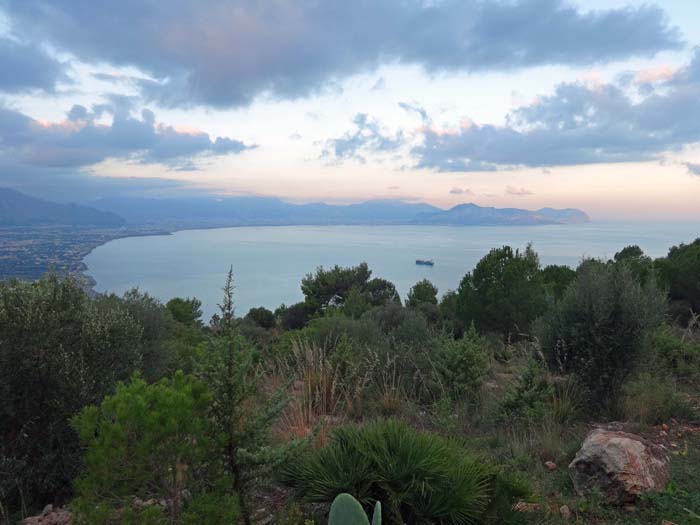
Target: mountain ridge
[(17, 209)]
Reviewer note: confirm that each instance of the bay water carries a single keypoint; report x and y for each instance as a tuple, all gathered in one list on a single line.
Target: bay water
[(269, 262)]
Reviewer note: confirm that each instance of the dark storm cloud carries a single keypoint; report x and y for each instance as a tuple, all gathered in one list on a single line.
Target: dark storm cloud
[(225, 53), (81, 140), (24, 67), (578, 124)]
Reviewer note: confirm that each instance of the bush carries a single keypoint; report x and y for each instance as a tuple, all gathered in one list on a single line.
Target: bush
[(157, 327), (462, 365), (556, 279), (527, 401), (293, 317), (595, 332), (650, 399), (59, 351), (418, 477), (422, 292), (330, 288), (186, 311), (149, 442), (666, 351), (405, 325), (261, 317), (680, 271)]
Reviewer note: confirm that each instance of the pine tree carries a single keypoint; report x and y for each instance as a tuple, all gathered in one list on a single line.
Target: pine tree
[(231, 371)]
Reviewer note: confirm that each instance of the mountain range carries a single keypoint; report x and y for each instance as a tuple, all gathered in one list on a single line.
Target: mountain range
[(17, 209)]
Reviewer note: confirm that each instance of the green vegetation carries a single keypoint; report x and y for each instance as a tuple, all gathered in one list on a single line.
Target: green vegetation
[(147, 445), (419, 477), (596, 330), (442, 409), (347, 510), (504, 293)]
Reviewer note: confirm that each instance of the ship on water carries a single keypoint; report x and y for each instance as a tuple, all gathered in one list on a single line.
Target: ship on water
[(425, 262)]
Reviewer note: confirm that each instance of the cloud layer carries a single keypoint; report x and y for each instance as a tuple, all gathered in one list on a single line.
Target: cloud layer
[(83, 140), (367, 135), (578, 124), (24, 67), (226, 53)]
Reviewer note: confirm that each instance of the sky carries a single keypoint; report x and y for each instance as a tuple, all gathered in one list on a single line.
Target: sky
[(592, 104)]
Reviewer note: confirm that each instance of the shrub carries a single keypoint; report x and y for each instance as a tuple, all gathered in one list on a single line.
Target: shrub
[(462, 365), (639, 264), (330, 288), (422, 292), (666, 351), (418, 477), (293, 317), (596, 330), (556, 279), (149, 442), (157, 328), (527, 401), (262, 317), (186, 311), (651, 399), (405, 325), (59, 351), (680, 271)]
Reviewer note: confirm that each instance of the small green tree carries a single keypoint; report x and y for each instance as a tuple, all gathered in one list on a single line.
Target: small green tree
[(355, 304), (186, 311), (556, 279), (504, 293), (462, 365), (262, 317), (331, 288), (293, 317), (242, 421), (680, 271), (640, 264), (150, 443), (422, 292)]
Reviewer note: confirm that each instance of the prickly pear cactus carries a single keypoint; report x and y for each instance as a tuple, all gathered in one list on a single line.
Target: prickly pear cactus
[(377, 516), (346, 510)]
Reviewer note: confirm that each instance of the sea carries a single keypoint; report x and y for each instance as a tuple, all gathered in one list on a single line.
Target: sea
[(269, 262)]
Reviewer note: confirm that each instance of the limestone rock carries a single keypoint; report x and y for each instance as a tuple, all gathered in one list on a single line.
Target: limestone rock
[(622, 465), (50, 516)]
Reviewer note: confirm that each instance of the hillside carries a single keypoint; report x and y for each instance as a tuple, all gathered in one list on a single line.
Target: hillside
[(473, 215), (259, 211), (241, 211), (18, 209)]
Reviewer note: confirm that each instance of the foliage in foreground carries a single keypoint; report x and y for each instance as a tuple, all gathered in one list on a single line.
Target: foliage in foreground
[(418, 477), (597, 329), (59, 351), (346, 510), (155, 443)]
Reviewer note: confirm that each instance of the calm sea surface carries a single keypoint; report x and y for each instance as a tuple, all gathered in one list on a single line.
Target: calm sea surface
[(269, 262)]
